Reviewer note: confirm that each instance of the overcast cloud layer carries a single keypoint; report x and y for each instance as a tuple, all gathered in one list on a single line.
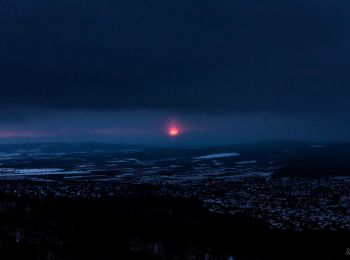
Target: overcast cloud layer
[(179, 55)]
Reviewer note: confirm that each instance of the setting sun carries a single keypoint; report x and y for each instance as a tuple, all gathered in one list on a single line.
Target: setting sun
[(173, 131)]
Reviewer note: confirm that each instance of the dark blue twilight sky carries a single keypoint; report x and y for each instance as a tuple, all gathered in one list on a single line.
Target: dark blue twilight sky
[(223, 71)]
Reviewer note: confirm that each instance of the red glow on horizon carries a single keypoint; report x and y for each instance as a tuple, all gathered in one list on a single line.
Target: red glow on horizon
[(7, 134), (173, 131)]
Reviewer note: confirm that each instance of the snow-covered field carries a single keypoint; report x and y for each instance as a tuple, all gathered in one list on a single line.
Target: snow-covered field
[(217, 155)]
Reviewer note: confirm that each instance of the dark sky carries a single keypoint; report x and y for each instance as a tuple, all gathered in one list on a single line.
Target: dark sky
[(213, 62)]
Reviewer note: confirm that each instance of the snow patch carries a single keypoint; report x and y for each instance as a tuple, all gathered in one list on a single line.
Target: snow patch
[(217, 155), (247, 162)]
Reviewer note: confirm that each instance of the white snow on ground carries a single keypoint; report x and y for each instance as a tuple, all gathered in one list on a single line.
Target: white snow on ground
[(29, 171), (217, 155), (83, 176), (7, 156), (247, 162), (9, 172), (127, 160)]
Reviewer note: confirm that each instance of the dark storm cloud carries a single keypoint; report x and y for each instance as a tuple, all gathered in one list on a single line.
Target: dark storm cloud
[(175, 55)]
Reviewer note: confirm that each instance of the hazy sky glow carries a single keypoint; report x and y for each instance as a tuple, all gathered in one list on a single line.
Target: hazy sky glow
[(225, 70), (152, 127)]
